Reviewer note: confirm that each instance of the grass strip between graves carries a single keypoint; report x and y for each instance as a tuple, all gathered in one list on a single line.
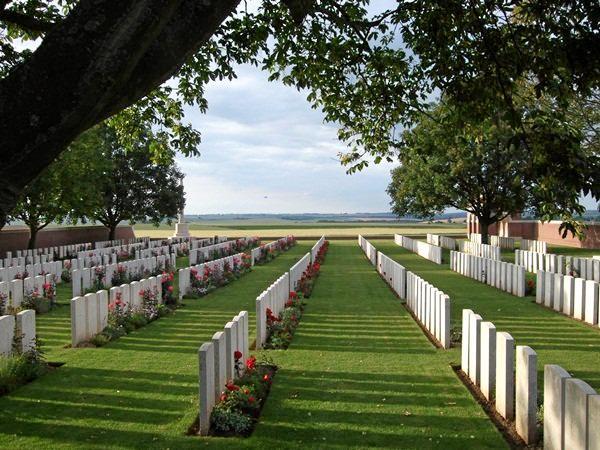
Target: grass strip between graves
[(556, 338)]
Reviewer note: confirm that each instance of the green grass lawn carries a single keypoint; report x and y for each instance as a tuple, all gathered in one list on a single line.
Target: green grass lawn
[(556, 338), (358, 374)]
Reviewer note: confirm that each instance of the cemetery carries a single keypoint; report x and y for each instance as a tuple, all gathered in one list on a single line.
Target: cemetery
[(284, 224)]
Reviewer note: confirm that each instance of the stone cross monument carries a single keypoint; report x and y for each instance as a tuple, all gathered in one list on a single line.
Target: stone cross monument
[(181, 227)]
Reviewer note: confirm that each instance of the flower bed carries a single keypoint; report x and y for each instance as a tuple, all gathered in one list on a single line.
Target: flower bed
[(21, 368), (123, 320), (241, 402), (270, 252), (41, 302), (310, 275), (281, 329), (211, 279)]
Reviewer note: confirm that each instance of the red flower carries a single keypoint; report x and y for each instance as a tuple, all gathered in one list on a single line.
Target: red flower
[(293, 295), (251, 363), (266, 377), (237, 355), (232, 387), (170, 289), (223, 396), (250, 399)]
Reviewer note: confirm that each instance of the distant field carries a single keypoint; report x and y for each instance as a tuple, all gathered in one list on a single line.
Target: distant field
[(300, 229)]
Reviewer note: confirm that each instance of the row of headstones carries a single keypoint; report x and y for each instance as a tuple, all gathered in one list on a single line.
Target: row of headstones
[(217, 364), (571, 412), (442, 241), (255, 252), (314, 251), (21, 325), (532, 245), (297, 270), (481, 250), (273, 298), (62, 251), (99, 252), (89, 313), (202, 254), (393, 273), (369, 249), (15, 290), (574, 297), (504, 242), (430, 306), (13, 272), (586, 268), (476, 237), (82, 279), (203, 242), (118, 242), (185, 282), (488, 359), (423, 249), (505, 276), (24, 260)]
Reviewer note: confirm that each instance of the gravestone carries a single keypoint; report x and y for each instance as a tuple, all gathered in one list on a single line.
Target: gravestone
[(474, 348), (7, 333), (25, 321), (505, 378), (488, 358), (554, 406), (206, 374), (576, 411), (526, 393)]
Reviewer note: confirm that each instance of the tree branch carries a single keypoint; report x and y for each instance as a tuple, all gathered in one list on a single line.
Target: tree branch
[(25, 22)]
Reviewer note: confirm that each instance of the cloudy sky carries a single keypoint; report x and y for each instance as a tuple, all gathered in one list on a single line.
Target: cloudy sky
[(265, 150)]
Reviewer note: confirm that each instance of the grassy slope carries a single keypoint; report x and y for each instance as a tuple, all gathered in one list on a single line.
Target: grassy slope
[(140, 391), (556, 338)]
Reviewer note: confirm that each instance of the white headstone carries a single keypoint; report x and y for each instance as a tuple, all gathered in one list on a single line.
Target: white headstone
[(526, 393), (505, 381), (554, 406), (26, 329)]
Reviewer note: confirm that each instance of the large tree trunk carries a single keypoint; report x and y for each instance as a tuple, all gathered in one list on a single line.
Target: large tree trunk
[(112, 231), (102, 58), (483, 230), (33, 231)]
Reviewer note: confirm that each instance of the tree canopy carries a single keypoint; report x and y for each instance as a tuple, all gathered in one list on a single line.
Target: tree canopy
[(486, 167), (372, 71)]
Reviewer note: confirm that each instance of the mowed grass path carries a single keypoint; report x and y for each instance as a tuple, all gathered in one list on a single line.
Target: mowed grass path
[(361, 374), (556, 338), (140, 391)]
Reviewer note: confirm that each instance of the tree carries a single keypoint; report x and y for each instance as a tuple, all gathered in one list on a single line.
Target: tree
[(129, 186), (55, 195), (482, 167), (370, 72)]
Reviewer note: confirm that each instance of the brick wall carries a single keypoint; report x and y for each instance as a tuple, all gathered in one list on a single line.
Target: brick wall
[(17, 238)]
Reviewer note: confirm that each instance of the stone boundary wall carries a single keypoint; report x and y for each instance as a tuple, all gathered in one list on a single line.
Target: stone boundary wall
[(442, 241), (505, 276), (17, 238), (216, 364), (574, 297), (431, 252)]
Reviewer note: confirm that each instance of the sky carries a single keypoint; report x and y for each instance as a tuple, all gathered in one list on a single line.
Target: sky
[(264, 150)]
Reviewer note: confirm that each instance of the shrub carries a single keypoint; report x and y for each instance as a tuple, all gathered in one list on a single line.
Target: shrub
[(18, 369)]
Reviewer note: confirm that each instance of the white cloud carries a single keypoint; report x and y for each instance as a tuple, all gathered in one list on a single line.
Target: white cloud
[(265, 150)]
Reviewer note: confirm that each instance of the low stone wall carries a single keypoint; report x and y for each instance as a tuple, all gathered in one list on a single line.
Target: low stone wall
[(17, 238)]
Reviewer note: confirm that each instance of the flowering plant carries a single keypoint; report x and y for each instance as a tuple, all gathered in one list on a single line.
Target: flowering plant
[(167, 289), (36, 300), (65, 275), (238, 408), (120, 275), (280, 329), (99, 277), (3, 303), (530, 284)]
